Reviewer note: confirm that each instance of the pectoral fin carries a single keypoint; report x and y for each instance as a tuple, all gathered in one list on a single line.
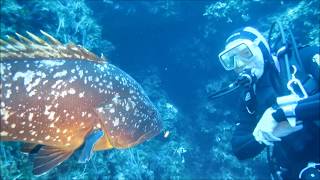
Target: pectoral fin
[(47, 158), (30, 148), (87, 150)]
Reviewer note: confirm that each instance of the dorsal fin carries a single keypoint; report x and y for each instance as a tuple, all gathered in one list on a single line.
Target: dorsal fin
[(34, 47)]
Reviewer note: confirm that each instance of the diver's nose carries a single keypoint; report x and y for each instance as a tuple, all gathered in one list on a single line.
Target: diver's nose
[(239, 63)]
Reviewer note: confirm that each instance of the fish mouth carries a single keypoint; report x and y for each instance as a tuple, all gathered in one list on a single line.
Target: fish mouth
[(138, 140), (147, 136)]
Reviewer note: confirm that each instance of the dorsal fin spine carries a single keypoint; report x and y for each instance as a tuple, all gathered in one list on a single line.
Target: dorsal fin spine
[(3, 42), (51, 39), (37, 39), (17, 43), (24, 39), (37, 48)]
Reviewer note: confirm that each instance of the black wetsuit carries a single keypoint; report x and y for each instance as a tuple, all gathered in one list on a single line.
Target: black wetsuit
[(296, 149)]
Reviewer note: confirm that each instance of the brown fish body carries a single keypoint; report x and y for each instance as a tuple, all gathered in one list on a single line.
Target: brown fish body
[(54, 102), (37, 108), (63, 97)]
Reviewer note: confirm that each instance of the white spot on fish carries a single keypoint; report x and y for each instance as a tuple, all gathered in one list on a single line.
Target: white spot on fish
[(98, 125), (41, 74), (47, 108), (101, 90), (51, 115), (13, 126), (127, 107), (2, 69), (8, 94), (80, 73), (30, 116), (22, 114), (32, 85), (57, 119), (69, 138), (71, 91), (56, 83), (81, 95), (32, 93), (60, 74), (27, 76), (109, 86), (83, 114), (63, 93), (4, 133), (21, 132), (72, 79), (47, 137), (116, 122), (51, 63), (5, 114)]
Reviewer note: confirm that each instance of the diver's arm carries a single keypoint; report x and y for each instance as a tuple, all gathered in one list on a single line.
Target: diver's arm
[(291, 108), (244, 146), (311, 62), (302, 110), (243, 143), (308, 109)]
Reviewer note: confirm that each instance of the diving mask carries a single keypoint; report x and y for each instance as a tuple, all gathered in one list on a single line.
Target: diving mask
[(237, 55)]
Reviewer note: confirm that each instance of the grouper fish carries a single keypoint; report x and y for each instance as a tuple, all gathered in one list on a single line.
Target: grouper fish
[(66, 99)]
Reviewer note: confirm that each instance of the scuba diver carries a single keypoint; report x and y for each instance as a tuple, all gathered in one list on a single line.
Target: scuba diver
[(280, 103)]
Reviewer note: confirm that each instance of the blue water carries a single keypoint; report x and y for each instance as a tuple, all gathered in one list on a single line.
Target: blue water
[(170, 48)]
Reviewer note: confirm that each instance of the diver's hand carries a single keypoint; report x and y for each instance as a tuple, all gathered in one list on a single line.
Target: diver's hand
[(284, 129), (263, 133)]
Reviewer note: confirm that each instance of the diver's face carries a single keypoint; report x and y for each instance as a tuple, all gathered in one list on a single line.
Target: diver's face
[(255, 62)]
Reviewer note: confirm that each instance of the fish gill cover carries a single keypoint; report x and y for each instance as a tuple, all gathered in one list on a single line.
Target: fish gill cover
[(170, 48)]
